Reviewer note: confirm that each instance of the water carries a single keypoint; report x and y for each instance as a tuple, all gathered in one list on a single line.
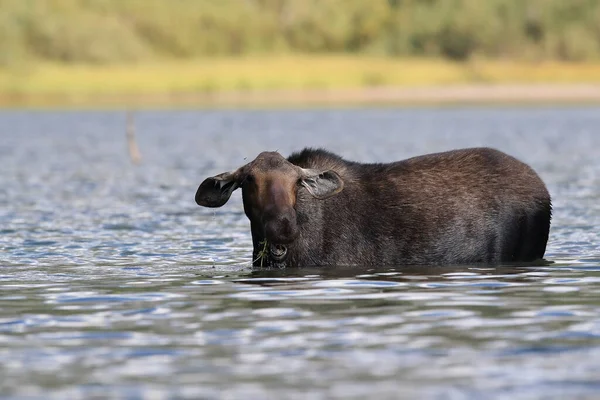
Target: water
[(113, 283)]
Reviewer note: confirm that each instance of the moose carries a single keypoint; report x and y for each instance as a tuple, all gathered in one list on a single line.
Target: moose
[(467, 206)]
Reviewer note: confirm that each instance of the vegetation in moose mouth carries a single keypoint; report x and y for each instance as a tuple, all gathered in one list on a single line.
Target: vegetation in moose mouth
[(263, 254), (268, 250)]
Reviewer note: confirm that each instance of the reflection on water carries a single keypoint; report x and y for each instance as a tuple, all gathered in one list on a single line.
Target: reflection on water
[(113, 283)]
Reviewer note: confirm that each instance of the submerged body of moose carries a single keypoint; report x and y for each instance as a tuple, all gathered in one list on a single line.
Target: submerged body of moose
[(314, 208)]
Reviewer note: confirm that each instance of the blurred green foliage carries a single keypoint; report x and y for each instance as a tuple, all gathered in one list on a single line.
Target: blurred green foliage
[(117, 31)]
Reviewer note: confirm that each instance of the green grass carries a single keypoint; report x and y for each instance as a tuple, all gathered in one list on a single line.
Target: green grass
[(86, 84)]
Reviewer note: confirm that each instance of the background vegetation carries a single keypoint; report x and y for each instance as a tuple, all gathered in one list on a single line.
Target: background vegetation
[(81, 50), (118, 31)]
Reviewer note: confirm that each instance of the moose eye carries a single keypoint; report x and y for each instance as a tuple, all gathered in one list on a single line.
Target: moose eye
[(249, 178)]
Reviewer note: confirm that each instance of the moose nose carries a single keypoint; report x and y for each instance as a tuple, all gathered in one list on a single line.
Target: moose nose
[(280, 227)]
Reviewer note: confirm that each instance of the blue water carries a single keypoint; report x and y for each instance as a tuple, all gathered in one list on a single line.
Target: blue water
[(114, 284)]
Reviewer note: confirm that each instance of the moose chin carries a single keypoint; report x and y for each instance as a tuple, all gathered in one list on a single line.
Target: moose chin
[(314, 208)]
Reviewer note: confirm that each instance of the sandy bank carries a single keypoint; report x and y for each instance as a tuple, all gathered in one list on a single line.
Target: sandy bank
[(469, 94)]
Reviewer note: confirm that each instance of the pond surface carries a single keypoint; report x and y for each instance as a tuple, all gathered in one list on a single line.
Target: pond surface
[(113, 283)]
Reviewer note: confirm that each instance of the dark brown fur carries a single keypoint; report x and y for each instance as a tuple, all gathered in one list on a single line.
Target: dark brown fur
[(458, 207)]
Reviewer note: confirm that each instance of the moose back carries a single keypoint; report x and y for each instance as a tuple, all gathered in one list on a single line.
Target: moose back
[(314, 208)]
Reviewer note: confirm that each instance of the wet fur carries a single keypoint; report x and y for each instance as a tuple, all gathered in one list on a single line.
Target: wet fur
[(459, 207)]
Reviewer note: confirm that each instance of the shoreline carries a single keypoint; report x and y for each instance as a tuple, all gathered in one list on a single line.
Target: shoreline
[(298, 80), (463, 94)]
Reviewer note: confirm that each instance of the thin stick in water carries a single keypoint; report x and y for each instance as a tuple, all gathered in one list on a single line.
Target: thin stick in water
[(134, 151)]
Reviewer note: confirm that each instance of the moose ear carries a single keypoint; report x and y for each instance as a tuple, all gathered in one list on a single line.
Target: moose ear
[(215, 191), (322, 184)]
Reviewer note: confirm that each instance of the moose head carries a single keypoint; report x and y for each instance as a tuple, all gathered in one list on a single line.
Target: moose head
[(270, 186)]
